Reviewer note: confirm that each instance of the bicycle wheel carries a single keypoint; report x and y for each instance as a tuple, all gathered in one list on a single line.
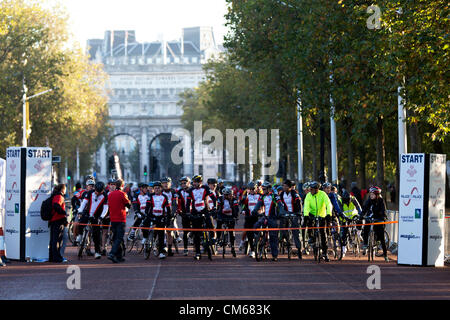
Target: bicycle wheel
[(318, 244), (70, 233), (259, 247), (224, 243), (138, 244), (147, 249), (371, 245), (84, 243), (316, 247), (130, 243)]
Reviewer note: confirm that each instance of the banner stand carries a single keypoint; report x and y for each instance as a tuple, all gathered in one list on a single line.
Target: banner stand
[(28, 183), (422, 210)]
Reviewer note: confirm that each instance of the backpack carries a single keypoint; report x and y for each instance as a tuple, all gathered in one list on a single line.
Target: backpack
[(46, 209)]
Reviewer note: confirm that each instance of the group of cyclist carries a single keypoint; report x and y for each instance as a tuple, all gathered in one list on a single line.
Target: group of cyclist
[(214, 206)]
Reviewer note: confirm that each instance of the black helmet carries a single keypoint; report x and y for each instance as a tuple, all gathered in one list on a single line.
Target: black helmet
[(197, 178), (166, 179), (288, 183), (212, 181), (345, 195), (251, 185), (110, 181), (156, 183), (143, 185), (185, 178), (315, 185), (99, 186)]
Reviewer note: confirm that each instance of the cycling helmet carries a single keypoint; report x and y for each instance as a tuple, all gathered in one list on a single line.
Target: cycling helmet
[(345, 195), (251, 185), (197, 178), (151, 184), (111, 181), (220, 181), (266, 184), (375, 190), (314, 185), (259, 183), (143, 185), (212, 181), (166, 179), (326, 185), (99, 186), (305, 185), (185, 178), (90, 177), (157, 184), (279, 188), (90, 182), (227, 191)]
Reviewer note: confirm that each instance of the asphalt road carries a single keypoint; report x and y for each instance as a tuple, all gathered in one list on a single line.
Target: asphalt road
[(238, 278)]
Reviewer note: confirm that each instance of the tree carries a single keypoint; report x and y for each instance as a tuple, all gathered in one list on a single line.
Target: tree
[(34, 50)]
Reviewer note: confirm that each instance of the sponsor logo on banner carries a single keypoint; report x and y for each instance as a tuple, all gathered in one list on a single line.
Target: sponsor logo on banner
[(417, 213), (436, 237), (11, 231), (16, 208), (436, 197), (39, 166), (12, 191), (411, 171), (409, 236), (407, 218), (39, 191), (13, 165), (38, 231), (414, 195)]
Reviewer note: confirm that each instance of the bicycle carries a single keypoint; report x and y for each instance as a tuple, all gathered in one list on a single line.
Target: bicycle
[(136, 241), (354, 237), (336, 241), (317, 240), (262, 240), (286, 236), (225, 238), (85, 240), (374, 245), (205, 238), (150, 243)]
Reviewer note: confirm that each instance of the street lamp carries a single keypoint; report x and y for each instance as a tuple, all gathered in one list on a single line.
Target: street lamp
[(25, 110)]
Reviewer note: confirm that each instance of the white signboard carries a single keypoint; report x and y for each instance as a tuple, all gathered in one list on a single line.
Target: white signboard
[(436, 211), (412, 167), (2, 191), (12, 217), (38, 188)]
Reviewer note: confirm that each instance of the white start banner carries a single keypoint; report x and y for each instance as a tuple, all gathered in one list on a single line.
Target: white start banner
[(412, 189), (38, 188), (12, 217), (436, 210), (2, 191), (28, 183)]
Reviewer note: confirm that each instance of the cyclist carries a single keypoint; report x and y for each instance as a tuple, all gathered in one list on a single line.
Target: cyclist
[(292, 204), (106, 221), (375, 208), (183, 193), (171, 219), (141, 203), (249, 201), (94, 207), (76, 202), (351, 209), (212, 207), (270, 202), (317, 204), (196, 207), (90, 184), (157, 209), (304, 223), (227, 209)]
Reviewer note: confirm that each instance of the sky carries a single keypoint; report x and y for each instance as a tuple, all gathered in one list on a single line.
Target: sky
[(152, 19)]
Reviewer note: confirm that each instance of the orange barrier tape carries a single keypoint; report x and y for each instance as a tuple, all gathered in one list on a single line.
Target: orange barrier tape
[(260, 229)]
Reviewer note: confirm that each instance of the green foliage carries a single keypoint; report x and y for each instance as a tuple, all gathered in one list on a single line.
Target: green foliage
[(34, 49)]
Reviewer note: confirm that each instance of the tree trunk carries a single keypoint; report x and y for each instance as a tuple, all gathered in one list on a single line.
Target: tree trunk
[(314, 156), (322, 151), (362, 167), (380, 154), (351, 173), (413, 135)]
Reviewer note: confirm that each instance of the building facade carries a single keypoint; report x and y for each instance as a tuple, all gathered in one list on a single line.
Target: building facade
[(145, 80)]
